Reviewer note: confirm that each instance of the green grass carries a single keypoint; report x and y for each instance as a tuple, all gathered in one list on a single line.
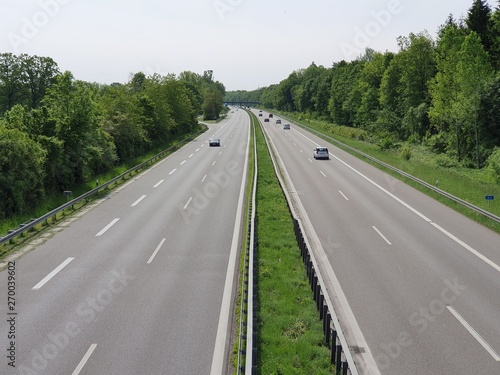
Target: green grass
[(290, 336), (471, 185)]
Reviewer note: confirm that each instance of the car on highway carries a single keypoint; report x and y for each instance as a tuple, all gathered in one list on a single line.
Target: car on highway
[(278, 122), (266, 120), (321, 153), (214, 141), (286, 126), (260, 114), (270, 115)]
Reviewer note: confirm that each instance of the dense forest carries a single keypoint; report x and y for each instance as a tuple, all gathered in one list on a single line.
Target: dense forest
[(443, 93), (57, 132)]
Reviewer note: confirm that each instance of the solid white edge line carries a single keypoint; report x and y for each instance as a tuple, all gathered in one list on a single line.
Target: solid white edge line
[(225, 310), (156, 250), (343, 195), (52, 274), (103, 230), (138, 201), (84, 359), (381, 235), (467, 247), (474, 333), (158, 183)]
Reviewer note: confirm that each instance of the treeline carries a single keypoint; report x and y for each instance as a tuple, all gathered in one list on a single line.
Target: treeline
[(57, 132), (442, 93)]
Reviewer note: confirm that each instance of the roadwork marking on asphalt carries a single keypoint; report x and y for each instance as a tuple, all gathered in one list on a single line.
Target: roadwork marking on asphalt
[(47, 278), (158, 183), (103, 230), (156, 250), (138, 201), (343, 195), (381, 235), (474, 333), (187, 203), (84, 360)]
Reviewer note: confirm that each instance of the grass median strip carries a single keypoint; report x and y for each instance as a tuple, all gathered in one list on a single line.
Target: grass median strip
[(290, 337)]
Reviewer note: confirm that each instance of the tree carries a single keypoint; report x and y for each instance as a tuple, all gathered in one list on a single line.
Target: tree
[(21, 172), (212, 104), (473, 73), (11, 81), (479, 20), (39, 73)]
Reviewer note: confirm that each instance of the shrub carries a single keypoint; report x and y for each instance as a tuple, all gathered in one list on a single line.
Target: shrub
[(406, 152), (494, 164)]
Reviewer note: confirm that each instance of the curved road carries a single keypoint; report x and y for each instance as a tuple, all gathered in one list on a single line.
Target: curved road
[(422, 281), (142, 281)]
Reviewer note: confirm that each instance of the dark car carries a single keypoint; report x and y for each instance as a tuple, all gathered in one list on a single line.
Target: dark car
[(213, 141)]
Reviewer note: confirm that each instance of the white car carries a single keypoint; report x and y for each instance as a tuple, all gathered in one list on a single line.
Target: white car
[(321, 153)]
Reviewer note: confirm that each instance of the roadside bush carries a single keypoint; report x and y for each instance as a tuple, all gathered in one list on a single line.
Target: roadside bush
[(406, 152), (493, 164)]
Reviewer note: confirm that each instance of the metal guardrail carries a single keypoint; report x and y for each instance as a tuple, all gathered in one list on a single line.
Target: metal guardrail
[(247, 345), (335, 338), (34, 222), (435, 189)]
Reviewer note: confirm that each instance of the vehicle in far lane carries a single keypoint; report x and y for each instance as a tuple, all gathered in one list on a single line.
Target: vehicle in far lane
[(266, 120), (260, 114), (278, 122), (321, 153), (214, 141), (286, 126), (270, 115)]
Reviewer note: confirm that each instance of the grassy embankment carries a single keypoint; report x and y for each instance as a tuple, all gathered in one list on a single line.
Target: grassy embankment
[(471, 185), (290, 337)]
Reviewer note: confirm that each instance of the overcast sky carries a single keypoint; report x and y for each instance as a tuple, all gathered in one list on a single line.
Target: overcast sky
[(247, 43)]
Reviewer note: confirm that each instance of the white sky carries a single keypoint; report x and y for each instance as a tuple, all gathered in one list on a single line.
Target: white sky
[(247, 43)]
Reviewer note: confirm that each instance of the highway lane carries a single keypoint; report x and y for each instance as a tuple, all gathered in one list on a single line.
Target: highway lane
[(142, 273), (422, 280)]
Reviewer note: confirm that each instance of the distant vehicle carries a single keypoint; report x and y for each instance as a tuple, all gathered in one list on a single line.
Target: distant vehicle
[(213, 141), (270, 115), (286, 126), (266, 120), (278, 122), (260, 114), (321, 153)]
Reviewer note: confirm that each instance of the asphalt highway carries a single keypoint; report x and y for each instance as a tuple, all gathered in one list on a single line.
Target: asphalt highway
[(421, 281), (142, 281)]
